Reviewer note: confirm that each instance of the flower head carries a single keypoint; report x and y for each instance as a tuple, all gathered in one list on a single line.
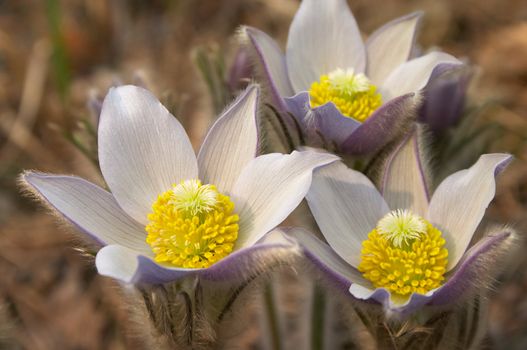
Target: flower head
[(396, 244), (353, 89), (169, 213)]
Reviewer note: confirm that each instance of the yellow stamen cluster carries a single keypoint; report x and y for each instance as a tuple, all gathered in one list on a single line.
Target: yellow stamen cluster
[(416, 264), (192, 226), (353, 94)]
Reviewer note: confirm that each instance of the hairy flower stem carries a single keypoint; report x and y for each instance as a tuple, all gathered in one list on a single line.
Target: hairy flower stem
[(272, 317), (318, 318)]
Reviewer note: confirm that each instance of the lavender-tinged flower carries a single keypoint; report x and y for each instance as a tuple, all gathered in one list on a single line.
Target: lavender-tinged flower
[(170, 214), (240, 72), (397, 244), (444, 98), (348, 93)]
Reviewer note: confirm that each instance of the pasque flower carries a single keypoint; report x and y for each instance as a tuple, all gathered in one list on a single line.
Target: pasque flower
[(398, 244), (444, 99), (341, 90), (170, 213)]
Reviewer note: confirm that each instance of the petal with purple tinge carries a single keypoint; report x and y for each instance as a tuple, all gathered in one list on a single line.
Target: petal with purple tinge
[(231, 143), (323, 36), (346, 206), (403, 182), (473, 267), (270, 188), (387, 122), (413, 75), (132, 267), (143, 149), (391, 307), (460, 201), (325, 259), (90, 208), (324, 122), (390, 46), (444, 97), (270, 63)]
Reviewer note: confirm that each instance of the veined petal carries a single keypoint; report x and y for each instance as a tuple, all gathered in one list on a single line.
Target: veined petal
[(89, 208), (323, 36), (325, 259), (404, 183), (460, 201), (346, 206), (413, 75), (270, 61), (143, 149), (130, 266), (270, 188), (386, 123), (390, 46), (231, 143)]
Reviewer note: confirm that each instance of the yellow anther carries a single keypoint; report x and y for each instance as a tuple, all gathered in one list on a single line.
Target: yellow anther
[(192, 226), (353, 94), (415, 266)]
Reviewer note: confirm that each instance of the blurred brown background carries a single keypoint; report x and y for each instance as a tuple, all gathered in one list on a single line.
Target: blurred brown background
[(54, 54)]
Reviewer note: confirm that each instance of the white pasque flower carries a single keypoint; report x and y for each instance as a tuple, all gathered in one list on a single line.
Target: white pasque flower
[(170, 213), (397, 244), (353, 93)]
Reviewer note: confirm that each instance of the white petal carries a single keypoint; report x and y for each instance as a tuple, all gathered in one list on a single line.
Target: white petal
[(130, 266), (231, 142), (460, 201), (413, 75), (390, 46), (324, 36), (143, 149), (270, 188), (270, 60), (346, 206), (403, 181), (325, 257), (90, 208)]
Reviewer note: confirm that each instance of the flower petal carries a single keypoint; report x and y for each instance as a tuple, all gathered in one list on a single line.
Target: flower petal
[(132, 267), (323, 36), (322, 122), (444, 97), (386, 123), (270, 63), (325, 259), (460, 201), (270, 188), (231, 143), (346, 206), (473, 269), (404, 182), (414, 75), (390, 46), (143, 149), (383, 297), (89, 208)]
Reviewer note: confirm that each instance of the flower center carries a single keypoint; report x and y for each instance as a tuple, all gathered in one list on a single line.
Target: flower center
[(404, 254), (353, 94), (192, 225)]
